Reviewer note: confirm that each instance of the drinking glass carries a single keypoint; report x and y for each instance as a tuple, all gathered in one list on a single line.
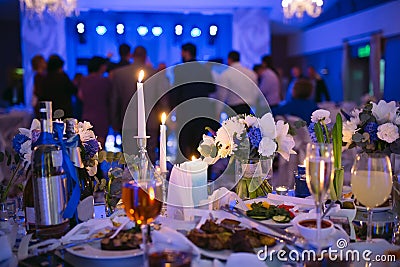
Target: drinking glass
[(371, 182), (319, 174), (142, 204)]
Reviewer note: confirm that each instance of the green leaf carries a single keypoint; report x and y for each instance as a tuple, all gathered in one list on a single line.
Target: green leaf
[(364, 117), (16, 158), (1, 156), (337, 140), (318, 133)]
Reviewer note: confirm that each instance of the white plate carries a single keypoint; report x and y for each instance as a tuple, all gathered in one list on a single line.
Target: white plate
[(94, 251), (269, 222), (224, 254)]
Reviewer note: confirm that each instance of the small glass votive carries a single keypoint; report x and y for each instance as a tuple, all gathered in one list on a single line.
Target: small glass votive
[(281, 190)]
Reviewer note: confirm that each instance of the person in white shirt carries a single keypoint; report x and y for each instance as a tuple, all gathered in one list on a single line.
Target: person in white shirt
[(270, 84), (237, 86)]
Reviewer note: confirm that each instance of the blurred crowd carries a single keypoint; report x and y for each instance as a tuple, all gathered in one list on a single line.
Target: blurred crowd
[(103, 95)]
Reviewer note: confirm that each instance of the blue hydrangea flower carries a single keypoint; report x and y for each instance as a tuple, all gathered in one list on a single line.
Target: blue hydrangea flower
[(372, 129), (18, 140), (91, 147), (255, 137)]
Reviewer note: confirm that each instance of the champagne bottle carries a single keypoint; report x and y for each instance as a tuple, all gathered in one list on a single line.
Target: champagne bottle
[(49, 181), (86, 205)]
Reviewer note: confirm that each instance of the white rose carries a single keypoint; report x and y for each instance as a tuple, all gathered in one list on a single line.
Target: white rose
[(267, 126), (349, 129), (388, 132), (285, 141), (321, 115), (384, 112), (267, 147)]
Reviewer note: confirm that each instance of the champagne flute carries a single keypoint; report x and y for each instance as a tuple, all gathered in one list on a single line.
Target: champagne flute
[(319, 174), (371, 182)]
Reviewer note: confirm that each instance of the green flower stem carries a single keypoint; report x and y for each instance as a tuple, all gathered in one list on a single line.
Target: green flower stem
[(5, 194), (326, 132)]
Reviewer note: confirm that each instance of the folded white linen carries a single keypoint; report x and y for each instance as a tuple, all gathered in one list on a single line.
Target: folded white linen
[(186, 188), (222, 197), (244, 259), (291, 200)]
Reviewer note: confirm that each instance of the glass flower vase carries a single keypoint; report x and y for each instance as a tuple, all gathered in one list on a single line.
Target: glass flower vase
[(252, 177)]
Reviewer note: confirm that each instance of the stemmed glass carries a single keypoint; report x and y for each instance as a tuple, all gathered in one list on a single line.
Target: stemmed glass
[(319, 174), (371, 182), (143, 196)]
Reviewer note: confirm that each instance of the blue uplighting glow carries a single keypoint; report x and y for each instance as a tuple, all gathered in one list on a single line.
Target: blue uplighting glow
[(142, 30), (195, 32), (213, 30), (101, 29), (178, 29), (157, 31), (120, 28), (80, 27)]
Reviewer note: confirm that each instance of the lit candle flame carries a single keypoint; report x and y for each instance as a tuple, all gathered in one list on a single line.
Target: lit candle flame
[(163, 118), (151, 193), (141, 76), (193, 158)]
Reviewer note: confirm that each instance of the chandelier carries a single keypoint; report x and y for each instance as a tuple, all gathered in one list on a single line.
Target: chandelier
[(297, 8), (56, 7)]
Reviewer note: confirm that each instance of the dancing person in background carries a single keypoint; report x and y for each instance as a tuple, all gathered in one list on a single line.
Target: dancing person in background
[(124, 81), (296, 75), (320, 91), (94, 91), (270, 85), (191, 81), (230, 79), (39, 66), (299, 104), (258, 69), (57, 87), (76, 102)]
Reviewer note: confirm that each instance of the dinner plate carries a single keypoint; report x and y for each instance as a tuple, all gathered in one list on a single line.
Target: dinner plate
[(269, 222), (94, 251), (224, 254)]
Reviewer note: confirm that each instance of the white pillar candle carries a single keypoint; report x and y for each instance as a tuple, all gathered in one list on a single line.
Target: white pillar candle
[(141, 112), (197, 171), (163, 143)]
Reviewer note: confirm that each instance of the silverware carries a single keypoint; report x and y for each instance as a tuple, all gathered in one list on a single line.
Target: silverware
[(119, 229), (327, 210), (279, 234)]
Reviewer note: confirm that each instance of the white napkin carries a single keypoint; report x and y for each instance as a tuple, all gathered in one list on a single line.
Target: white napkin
[(222, 197), (85, 230), (5, 251), (287, 200), (186, 188), (168, 238), (244, 259)]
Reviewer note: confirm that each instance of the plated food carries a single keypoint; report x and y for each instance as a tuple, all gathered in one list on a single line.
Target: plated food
[(125, 240), (265, 211), (228, 235)]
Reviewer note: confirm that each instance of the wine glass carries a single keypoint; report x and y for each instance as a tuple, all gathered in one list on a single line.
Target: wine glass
[(371, 182), (142, 200), (319, 174)]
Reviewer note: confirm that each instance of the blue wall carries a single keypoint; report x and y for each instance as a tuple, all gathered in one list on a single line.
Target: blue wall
[(165, 48), (392, 70), (332, 61)]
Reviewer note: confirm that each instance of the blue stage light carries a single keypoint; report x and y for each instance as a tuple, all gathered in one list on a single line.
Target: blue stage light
[(178, 29), (101, 29), (120, 28), (80, 27), (213, 30), (195, 32), (142, 30), (157, 31)]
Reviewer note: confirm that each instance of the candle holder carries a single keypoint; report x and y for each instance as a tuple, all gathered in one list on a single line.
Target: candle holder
[(145, 167)]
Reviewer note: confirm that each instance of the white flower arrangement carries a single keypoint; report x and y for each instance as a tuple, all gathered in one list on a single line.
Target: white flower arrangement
[(248, 137)]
